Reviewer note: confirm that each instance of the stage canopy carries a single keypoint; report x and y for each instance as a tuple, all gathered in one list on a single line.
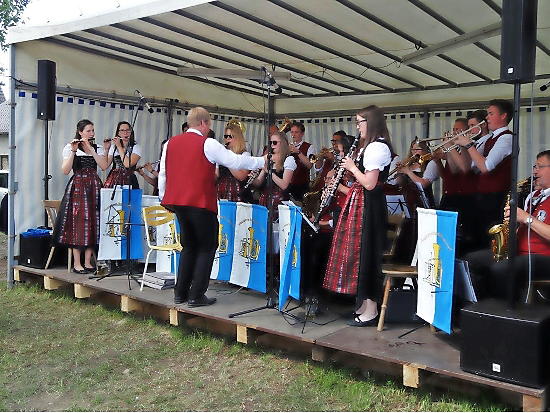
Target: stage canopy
[(341, 54)]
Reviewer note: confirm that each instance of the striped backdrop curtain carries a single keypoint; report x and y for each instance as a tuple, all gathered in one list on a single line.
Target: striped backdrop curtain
[(152, 128)]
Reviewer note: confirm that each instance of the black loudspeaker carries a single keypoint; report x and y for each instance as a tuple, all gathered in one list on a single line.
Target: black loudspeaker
[(46, 90), (512, 345), (517, 42)]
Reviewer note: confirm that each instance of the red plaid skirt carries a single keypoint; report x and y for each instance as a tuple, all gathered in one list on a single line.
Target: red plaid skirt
[(343, 262), (77, 223), (119, 176), (228, 187), (278, 197)]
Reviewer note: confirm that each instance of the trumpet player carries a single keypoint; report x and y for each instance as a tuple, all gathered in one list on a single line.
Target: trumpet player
[(533, 242), (491, 160), (424, 173), (326, 161), (300, 151)]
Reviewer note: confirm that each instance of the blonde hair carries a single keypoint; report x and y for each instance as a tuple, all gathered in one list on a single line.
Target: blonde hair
[(283, 150), (196, 116), (239, 145)]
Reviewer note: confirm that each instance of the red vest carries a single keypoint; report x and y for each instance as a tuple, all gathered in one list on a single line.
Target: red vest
[(190, 176), (538, 244), (497, 180), (301, 174)]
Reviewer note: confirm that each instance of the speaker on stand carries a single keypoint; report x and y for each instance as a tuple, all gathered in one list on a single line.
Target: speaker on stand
[(501, 340), (46, 110)]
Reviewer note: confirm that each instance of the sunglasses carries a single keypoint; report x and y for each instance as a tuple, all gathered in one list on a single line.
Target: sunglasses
[(274, 142), (228, 136)]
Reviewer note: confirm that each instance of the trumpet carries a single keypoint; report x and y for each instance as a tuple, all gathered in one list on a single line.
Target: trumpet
[(451, 138), (322, 154)]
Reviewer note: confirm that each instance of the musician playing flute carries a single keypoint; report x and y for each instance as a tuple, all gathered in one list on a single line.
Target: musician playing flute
[(355, 262), (77, 223), (228, 184), (533, 237), (124, 154)]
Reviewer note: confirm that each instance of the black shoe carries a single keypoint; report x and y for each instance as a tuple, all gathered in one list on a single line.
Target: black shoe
[(202, 301), (79, 271), (356, 322), (179, 299), (90, 270)]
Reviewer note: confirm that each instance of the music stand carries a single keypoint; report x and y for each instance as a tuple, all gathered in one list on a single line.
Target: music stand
[(127, 225)]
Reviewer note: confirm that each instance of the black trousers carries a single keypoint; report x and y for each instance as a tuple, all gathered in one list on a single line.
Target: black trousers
[(199, 239), (490, 278)]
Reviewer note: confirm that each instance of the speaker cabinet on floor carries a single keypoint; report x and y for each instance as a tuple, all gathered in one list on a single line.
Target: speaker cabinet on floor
[(46, 90), (518, 41), (506, 344)]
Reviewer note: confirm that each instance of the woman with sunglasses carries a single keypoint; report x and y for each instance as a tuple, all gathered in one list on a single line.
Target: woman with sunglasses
[(283, 169), (355, 261), (228, 183), (77, 223), (124, 153)]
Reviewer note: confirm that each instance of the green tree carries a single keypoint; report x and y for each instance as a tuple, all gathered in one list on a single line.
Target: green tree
[(10, 12)]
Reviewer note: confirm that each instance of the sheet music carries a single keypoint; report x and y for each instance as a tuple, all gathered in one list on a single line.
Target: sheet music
[(396, 205), (464, 287), (423, 195), (305, 218)]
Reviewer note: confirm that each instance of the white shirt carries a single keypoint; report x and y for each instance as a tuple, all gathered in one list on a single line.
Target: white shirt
[(68, 148), (501, 149), (431, 173), (377, 156), (215, 152), (290, 163), (310, 150), (245, 153), (135, 151)]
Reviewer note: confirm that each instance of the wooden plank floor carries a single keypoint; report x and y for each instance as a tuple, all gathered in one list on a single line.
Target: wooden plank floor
[(420, 357)]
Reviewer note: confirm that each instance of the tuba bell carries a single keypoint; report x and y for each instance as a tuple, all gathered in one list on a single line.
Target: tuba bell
[(285, 127)]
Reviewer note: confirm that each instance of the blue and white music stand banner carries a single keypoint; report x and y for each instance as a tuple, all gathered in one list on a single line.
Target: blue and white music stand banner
[(436, 265), (118, 208), (223, 260), (249, 255), (290, 234)]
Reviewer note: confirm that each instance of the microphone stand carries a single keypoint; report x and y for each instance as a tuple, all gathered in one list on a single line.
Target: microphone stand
[(271, 295), (127, 222)]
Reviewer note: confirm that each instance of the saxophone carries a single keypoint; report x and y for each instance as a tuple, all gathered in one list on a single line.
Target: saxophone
[(501, 232)]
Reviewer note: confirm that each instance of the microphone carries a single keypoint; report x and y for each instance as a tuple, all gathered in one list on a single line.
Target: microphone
[(149, 108), (544, 87), (272, 82)]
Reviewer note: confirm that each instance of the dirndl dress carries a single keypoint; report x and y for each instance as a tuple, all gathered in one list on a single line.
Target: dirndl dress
[(119, 175), (227, 186), (77, 222), (355, 259), (278, 195)]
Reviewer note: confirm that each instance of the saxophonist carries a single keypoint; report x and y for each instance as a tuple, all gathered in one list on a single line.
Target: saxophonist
[(533, 241)]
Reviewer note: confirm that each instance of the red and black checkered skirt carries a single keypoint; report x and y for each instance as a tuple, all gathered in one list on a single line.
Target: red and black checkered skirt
[(278, 197), (343, 262), (119, 176), (228, 187), (77, 223)]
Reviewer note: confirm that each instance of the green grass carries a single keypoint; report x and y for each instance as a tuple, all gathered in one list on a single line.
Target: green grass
[(65, 354)]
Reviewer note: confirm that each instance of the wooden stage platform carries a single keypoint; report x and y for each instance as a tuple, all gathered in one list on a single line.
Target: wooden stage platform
[(420, 358)]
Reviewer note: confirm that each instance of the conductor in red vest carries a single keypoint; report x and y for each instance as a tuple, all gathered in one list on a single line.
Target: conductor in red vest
[(187, 186)]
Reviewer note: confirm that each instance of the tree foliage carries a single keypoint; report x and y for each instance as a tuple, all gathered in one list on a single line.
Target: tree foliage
[(10, 12)]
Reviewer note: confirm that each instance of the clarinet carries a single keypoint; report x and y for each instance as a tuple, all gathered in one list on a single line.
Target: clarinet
[(329, 191), (252, 178)]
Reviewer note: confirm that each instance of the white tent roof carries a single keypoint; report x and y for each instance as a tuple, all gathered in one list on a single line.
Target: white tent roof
[(347, 52)]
